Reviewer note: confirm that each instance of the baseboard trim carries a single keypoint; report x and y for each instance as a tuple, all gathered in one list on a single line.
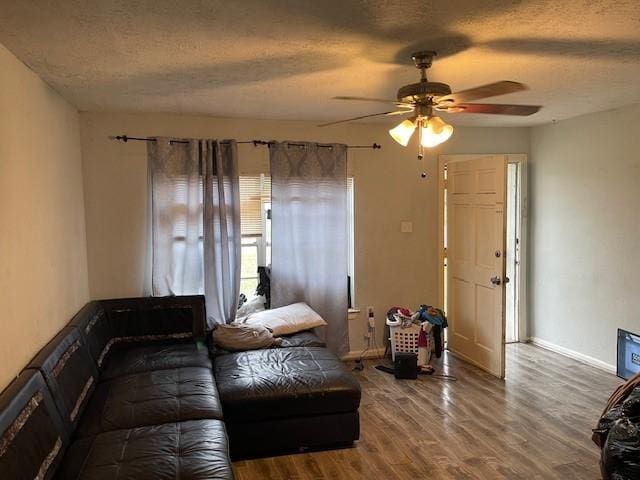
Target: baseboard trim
[(371, 353), (567, 352)]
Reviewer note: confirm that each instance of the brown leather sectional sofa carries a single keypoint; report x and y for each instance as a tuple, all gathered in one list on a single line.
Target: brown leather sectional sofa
[(129, 390)]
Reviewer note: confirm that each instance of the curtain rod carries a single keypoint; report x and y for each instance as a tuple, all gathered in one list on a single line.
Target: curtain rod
[(126, 138)]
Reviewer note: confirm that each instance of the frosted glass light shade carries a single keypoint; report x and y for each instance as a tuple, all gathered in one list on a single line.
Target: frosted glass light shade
[(403, 131), (435, 131)]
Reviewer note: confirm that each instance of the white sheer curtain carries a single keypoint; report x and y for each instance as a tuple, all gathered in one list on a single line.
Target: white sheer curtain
[(195, 226), (309, 233)]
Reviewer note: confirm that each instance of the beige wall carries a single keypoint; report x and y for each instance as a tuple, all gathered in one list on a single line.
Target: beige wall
[(43, 260), (392, 268), (585, 231)]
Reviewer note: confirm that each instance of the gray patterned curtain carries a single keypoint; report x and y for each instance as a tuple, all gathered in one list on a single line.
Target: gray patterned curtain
[(195, 227), (309, 233)]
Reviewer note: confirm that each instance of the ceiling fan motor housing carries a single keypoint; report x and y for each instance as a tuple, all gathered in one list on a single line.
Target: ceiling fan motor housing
[(423, 59), (422, 91)]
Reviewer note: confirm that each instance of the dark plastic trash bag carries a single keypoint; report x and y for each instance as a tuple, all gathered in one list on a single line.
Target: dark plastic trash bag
[(621, 450), (631, 406)]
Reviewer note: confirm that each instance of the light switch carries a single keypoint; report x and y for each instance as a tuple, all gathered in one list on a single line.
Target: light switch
[(406, 227)]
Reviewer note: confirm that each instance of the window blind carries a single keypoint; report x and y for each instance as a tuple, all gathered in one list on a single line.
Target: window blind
[(255, 190), (183, 190)]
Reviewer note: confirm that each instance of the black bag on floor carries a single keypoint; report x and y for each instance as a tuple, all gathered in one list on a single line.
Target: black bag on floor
[(406, 365), (621, 450)]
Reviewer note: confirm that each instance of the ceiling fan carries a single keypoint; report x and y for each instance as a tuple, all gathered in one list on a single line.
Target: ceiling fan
[(423, 98)]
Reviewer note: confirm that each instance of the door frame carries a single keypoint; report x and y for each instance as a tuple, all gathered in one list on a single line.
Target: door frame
[(520, 158)]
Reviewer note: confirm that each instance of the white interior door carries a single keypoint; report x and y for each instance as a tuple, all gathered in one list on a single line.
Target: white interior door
[(476, 260)]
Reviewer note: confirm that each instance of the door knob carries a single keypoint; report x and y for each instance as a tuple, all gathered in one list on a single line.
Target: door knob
[(496, 280)]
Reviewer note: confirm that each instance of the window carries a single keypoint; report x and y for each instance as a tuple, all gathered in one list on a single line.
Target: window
[(255, 219), (187, 230), (255, 226)]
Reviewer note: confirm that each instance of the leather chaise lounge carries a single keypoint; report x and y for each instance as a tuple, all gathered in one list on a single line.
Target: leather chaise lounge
[(128, 390), (292, 396)]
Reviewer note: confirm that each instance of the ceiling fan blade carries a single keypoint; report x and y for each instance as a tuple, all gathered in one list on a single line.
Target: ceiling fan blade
[(494, 108), (484, 91), (379, 100), (392, 112), (403, 111), (365, 99)]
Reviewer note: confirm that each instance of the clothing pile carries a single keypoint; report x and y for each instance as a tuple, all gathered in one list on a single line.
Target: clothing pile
[(431, 319)]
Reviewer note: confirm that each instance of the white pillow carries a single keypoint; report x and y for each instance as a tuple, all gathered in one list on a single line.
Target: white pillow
[(287, 320), (255, 304)]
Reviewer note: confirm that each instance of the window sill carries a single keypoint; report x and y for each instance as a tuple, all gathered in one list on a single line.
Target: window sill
[(353, 313)]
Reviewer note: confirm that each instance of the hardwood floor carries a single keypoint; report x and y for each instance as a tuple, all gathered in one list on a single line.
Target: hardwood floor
[(534, 425)]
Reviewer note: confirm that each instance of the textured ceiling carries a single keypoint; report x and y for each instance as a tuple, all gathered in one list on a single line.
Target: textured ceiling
[(285, 59)]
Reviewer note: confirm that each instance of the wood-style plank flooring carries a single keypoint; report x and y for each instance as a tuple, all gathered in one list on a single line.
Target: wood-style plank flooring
[(534, 425)]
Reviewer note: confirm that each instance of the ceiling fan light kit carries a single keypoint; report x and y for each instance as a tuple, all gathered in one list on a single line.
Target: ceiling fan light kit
[(423, 98), (434, 132), (402, 132)]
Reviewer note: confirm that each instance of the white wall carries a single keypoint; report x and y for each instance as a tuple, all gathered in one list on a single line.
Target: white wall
[(585, 231), (43, 259), (391, 268)]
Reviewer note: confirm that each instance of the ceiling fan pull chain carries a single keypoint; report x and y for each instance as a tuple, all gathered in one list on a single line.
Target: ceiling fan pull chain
[(420, 147)]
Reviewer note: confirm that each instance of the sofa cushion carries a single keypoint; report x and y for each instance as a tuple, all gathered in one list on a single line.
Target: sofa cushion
[(108, 324), (151, 398), (96, 330), (137, 359), (302, 339), (69, 372), (157, 318), (32, 436), (190, 450), (284, 382)]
